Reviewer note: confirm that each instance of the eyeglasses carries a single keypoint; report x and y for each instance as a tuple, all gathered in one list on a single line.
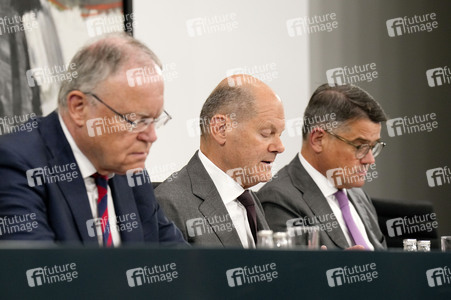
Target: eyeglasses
[(139, 125), (362, 150)]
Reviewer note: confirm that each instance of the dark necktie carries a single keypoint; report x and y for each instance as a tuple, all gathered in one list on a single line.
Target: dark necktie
[(248, 202), (343, 201), (102, 208)]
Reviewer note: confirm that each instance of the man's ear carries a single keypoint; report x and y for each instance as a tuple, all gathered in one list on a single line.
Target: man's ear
[(218, 128), (315, 139), (77, 104)]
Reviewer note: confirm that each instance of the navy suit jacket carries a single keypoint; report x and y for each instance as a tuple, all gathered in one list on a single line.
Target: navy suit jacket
[(59, 211)]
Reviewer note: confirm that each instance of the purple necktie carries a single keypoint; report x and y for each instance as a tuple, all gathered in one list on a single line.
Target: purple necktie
[(248, 202), (343, 201)]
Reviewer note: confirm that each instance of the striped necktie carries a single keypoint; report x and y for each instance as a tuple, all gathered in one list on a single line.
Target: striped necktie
[(102, 208)]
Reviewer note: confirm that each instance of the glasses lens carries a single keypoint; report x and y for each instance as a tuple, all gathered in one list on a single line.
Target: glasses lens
[(362, 151), (377, 149)]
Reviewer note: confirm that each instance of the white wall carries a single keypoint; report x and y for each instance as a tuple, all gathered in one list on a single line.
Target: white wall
[(249, 35)]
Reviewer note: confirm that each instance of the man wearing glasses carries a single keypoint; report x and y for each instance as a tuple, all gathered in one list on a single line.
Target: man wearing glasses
[(74, 178), (321, 185)]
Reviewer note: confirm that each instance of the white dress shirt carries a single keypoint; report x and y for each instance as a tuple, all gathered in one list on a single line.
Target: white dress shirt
[(328, 191), (87, 169), (230, 190)]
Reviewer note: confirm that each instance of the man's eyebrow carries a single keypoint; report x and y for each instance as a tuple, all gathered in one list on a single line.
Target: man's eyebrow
[(364, 141)]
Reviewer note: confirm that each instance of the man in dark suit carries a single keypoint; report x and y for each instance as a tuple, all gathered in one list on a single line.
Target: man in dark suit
[(321, 185), (241, 122), (64, 180)]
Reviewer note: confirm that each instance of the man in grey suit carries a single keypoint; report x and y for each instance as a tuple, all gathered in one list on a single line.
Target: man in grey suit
[(241, 123), (321, 185)]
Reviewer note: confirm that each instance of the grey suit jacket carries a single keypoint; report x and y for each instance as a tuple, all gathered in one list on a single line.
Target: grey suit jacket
[(293, 194), (190, 199)]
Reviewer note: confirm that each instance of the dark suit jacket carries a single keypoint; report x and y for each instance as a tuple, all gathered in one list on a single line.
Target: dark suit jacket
[(62, 208), (293, 194), (190, 198)]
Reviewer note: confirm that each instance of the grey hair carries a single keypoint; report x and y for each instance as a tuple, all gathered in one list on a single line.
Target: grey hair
[(227, 100), (101, 59), (346, 102)]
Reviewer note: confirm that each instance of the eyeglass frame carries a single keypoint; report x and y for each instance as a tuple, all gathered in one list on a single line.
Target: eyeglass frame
[(134, 124), (358, 147)]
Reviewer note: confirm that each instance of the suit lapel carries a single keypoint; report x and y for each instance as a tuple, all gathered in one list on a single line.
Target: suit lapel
[(314, 198), (212, 205), (124, 207), (74, 192)]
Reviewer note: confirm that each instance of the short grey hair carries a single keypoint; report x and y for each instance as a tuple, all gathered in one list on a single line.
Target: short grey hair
[(347, 102), (101, 59)]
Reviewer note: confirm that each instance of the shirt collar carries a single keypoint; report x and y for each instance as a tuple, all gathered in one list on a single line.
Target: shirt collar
[(84, 164), (228, 189), (327, 189)]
